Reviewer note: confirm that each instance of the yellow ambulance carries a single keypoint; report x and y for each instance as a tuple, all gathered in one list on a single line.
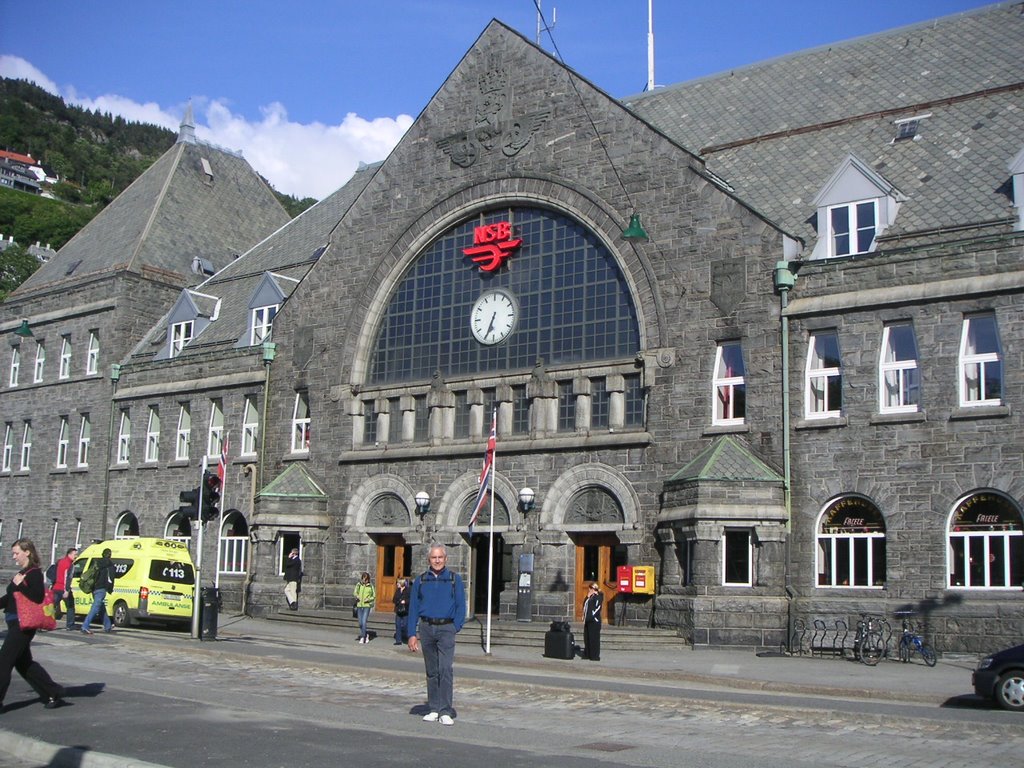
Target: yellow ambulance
[(155, 580)]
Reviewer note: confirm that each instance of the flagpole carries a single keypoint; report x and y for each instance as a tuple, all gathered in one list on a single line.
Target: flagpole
[(490, 540)]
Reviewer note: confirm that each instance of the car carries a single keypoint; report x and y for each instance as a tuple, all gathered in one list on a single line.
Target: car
[(1000, 676)]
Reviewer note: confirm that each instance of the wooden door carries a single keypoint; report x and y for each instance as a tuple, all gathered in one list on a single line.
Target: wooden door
[(394, 560), (595, 561)]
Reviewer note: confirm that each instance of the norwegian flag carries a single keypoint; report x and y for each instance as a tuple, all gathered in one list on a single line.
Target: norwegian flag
[(222, 462), (486, 474)]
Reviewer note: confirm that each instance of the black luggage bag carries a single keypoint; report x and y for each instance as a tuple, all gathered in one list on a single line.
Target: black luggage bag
[(559, 642)]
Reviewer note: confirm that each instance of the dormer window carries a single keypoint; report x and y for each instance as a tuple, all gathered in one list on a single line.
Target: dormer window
[(854, 207), (262, 324), (852, 227), (181, 334)]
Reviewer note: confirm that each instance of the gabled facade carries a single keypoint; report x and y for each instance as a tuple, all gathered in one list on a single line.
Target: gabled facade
[(795, 399)]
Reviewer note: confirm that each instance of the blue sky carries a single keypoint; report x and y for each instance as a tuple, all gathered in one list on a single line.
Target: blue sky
[(308, 88)]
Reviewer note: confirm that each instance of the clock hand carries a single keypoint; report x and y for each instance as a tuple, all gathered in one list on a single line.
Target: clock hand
[(490, 326)]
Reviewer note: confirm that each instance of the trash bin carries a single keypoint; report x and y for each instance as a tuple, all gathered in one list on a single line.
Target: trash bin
[(559, 642), (209, 606)]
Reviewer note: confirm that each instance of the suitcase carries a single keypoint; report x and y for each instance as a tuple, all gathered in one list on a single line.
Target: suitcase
[(559, 645)]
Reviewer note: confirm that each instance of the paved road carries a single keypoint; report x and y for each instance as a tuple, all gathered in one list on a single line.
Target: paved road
[(267, 695)]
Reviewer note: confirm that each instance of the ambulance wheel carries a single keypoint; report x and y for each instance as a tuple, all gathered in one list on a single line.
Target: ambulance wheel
[(121, 617)]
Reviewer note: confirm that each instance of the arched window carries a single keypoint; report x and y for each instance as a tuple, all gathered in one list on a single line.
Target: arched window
[(986, 543), (127, 526), (178, 528), (234, 543), (560, 296), (851, 544)]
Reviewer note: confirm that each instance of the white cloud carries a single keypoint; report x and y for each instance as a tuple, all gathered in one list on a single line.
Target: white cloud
[(302, 160)]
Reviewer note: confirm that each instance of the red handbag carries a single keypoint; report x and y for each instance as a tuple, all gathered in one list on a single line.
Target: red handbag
[(36, 615)]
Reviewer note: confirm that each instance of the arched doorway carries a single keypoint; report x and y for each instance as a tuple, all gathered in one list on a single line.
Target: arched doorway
[(484, 560), (598, 554)]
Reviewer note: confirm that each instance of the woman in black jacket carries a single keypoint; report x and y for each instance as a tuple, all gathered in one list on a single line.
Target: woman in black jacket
[(15, 652)]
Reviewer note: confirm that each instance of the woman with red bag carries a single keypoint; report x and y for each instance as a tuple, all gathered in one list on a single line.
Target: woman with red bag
[(15, 652)]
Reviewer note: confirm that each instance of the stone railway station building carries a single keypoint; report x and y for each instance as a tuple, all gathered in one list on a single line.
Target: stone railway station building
[(763, 331)]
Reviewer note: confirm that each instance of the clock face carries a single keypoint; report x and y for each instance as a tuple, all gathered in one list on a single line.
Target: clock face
[(494, 316)]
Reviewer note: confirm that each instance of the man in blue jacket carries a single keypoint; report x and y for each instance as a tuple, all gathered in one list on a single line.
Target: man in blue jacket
[(437, 611)]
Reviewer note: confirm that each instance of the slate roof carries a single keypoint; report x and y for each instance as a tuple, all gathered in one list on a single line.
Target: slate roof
[(172, 213), (777, 130), (290, 252), (726, 459)]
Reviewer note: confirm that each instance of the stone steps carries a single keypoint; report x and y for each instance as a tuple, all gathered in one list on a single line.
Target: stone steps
[(507, 633)]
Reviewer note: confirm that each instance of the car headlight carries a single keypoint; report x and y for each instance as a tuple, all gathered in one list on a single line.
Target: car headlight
[(985, 663)]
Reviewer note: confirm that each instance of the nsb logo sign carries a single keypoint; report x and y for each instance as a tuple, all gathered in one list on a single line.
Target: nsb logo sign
[(492, 244)]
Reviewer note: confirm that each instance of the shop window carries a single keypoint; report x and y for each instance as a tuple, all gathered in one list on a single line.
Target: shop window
[(986, 543), (729, 387), (899, 381), (851, 544), (824, 380), (981, 365), (737, 558)]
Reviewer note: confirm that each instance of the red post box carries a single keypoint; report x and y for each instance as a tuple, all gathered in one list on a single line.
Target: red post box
[(624, 577)]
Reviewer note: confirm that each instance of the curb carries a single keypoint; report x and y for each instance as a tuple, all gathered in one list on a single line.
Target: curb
[(33, 751)]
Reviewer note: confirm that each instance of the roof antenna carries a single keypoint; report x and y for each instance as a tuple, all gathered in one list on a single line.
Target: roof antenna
[(650, 46), (541, 24)]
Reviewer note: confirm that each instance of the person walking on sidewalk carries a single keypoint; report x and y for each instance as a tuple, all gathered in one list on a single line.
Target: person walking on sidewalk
[(365, 598), (104, 585), (401, 612), (592, 623), (16, 652), (293, 579), (62, 587), (437, 611)]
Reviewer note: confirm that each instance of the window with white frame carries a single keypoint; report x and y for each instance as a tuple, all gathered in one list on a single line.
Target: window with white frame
[(63, 441), (8, 454), (981, 362), (181, 334), (737, 558), (986, 543), (65, 358), (26, 446), (851, 544), (184, 435), (124, 438), (12, 379), (852, 227), (178, 528), (899, 381), (824, 383), (92, 355), (730, 391), (215, 436), (262, 323), (153, 435), (84, 440), (250, 426), (300, 423), (234, 544), (127, 526), (37, 371)]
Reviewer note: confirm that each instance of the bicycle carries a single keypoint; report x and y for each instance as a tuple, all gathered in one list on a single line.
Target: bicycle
[(911, 643), (869, 644)]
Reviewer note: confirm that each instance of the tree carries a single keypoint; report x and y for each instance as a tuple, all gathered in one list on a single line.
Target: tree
[(16, 264)]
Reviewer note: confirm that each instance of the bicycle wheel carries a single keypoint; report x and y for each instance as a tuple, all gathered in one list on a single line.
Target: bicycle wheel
[(872, 648), (928, 655), (904, 650)]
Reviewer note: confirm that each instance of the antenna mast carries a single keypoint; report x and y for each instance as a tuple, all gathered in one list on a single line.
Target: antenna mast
[(650, 45), (540, 21)]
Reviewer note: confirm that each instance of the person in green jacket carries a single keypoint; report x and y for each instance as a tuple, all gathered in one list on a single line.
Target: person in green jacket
[(365, 598)]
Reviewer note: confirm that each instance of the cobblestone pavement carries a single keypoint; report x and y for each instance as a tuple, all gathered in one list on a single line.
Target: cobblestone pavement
[(553, 715)]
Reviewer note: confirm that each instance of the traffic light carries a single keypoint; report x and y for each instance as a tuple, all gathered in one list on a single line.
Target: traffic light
[(189, 508), (211, 496)]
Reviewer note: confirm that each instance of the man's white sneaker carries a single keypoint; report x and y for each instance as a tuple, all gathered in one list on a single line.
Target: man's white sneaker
[(446, 720), (431, 718)]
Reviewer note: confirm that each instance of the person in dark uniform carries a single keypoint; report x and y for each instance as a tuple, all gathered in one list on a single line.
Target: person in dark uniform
[(293, 579), (401, 612), (592, 623), (437, 611)]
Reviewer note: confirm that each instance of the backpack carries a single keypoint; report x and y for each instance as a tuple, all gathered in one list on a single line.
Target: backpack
[(51, 574), (87, 583)]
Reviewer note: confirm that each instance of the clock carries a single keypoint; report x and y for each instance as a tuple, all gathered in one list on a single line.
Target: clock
[(494, 316)]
